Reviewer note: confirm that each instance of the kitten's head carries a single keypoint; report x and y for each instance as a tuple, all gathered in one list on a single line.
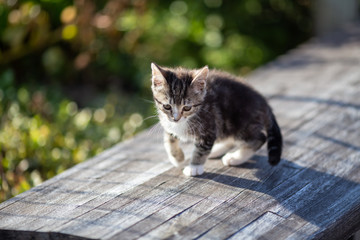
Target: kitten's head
[(179, 92)]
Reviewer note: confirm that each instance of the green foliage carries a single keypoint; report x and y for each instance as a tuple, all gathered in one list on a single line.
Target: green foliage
[(51, 49), (42, 133), (115, 41)]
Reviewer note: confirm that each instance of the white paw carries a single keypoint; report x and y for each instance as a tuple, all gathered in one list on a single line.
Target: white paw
[(221, 148), (231, 159), (237, 157), (228, 160), (193, 170)]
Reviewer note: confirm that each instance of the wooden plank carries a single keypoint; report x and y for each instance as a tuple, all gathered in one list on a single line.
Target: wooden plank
[(131, 191), (208, 195), (59, 199), (259, 227), (65, 194)]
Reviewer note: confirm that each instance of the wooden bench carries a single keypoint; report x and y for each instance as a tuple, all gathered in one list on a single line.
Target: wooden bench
[(131, 191)]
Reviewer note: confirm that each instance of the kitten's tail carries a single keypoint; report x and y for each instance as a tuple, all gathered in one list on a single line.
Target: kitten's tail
[(274, 142)]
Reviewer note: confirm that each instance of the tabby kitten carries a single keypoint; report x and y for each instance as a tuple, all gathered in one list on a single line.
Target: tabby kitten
[(219, 113)]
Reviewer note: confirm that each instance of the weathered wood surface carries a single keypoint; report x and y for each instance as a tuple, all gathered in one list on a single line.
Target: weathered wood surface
[(131, 191)]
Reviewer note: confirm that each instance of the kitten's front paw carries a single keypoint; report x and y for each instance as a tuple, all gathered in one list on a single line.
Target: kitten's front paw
[(193, 170)]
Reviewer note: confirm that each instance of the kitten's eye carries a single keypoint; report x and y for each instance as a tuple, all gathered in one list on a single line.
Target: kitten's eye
[(167, 106), (187, 108)]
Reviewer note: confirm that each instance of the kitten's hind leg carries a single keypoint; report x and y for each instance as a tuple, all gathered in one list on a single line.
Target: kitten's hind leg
[(244, 151), (238, 156), (221, 148)]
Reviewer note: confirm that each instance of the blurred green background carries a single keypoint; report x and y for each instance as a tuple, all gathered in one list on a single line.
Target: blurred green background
[(75, 75)]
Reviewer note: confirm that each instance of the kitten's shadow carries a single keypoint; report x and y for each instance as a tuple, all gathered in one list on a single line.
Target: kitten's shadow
[(257, 162), (307, 192)]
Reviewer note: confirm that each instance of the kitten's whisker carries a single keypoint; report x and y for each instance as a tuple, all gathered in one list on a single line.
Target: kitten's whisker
[(147, 100), (153, 129), (187, 132), (199, 124), (192, 132), (158, 131), (149, 117)]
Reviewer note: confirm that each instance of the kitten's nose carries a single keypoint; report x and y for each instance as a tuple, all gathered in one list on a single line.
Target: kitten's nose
[(176, 116)]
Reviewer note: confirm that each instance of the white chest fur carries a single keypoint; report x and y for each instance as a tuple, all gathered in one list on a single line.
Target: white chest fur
[(179, 129)]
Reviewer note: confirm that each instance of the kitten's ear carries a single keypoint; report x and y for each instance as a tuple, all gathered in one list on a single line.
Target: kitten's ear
[(158, 79), (199, 81)]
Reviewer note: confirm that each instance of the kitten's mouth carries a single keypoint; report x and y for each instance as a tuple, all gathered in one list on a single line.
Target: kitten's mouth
[(176, 117), (181, 119)]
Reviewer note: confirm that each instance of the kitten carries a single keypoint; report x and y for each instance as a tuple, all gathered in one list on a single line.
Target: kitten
[(219, 113)]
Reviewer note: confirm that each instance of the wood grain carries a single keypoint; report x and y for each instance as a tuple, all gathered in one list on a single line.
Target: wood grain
[(131, 191)]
